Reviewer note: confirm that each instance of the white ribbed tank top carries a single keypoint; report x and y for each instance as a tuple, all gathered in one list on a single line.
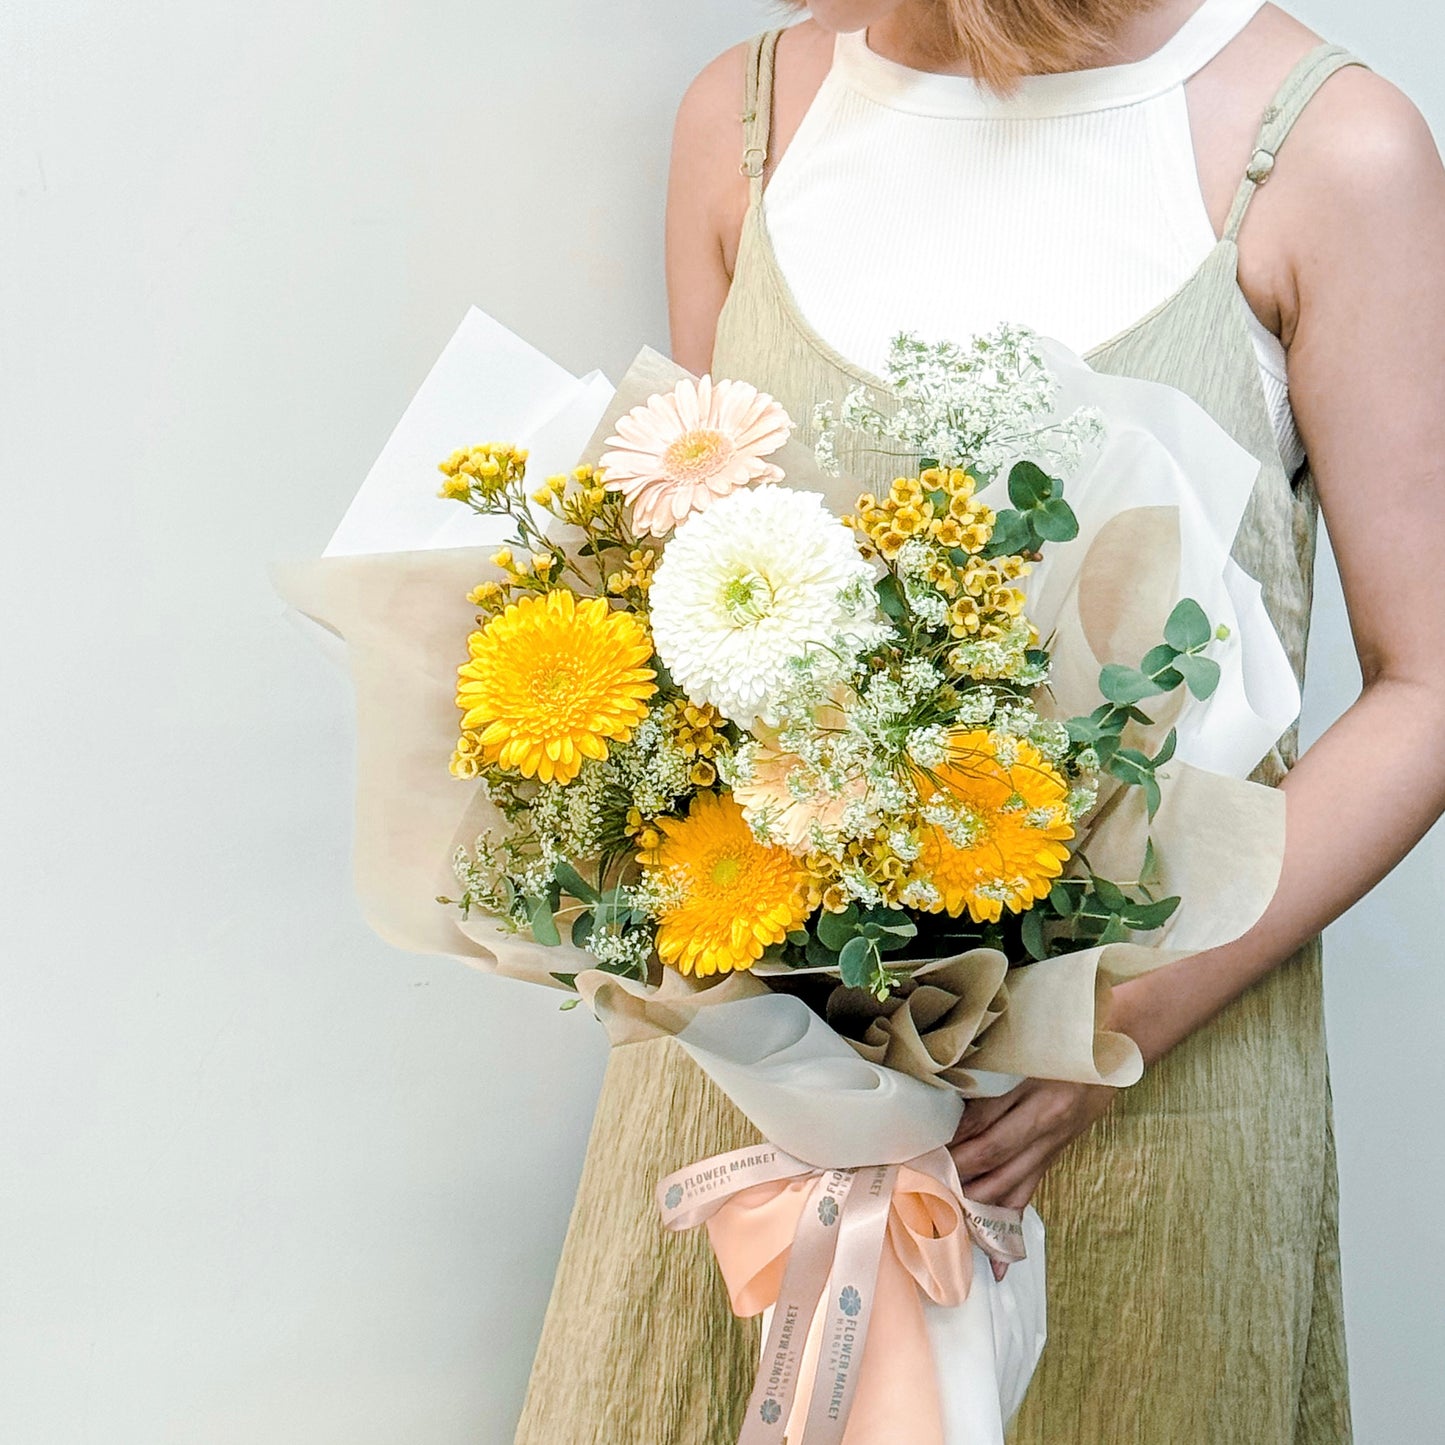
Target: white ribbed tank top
[(1072, 206)]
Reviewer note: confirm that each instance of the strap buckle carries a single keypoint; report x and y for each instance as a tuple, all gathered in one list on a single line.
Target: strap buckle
[(752, 162), (1260, 166)]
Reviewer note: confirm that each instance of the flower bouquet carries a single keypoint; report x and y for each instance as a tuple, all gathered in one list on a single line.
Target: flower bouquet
[(863, 796)]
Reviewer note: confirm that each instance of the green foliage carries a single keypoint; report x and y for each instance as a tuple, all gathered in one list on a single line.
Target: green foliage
[(543, 924), (854, 942), (572, 882), (1176, 662), (1039, 514), (1087, 911), (891, 600)]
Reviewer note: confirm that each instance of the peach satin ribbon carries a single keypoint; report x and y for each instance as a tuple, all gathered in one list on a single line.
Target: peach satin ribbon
[(844, 1257)]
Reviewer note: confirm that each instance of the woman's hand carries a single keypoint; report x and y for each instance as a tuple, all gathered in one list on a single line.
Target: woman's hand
[(1003, 1146)]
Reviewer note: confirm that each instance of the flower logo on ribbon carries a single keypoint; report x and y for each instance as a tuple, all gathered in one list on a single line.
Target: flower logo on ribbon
[(828, 1209), (850, 1301), (674, 1196), (770, 1410)]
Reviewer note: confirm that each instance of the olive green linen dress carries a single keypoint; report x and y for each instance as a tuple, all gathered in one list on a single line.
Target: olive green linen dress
[(1193, 1265)]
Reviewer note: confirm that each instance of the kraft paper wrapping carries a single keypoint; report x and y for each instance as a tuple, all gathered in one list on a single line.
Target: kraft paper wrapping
[(1218, 840)]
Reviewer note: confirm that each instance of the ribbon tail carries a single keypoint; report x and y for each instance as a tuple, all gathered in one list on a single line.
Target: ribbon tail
[(897, 1397), (846, 1315), (782, 1367)]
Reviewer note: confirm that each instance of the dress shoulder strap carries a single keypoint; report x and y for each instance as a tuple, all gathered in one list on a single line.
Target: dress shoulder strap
[(758, 109), (1278, 120)]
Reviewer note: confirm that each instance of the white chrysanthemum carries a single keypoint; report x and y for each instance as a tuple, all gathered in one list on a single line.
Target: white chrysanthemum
[(748, 586)]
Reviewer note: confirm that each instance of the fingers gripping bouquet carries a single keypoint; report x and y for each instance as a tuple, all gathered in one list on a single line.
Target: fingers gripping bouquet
[(864, 796)]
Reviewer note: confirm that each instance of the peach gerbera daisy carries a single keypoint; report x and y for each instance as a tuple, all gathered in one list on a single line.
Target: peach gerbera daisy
[(551, 681), (1002, 845), (684, 448), (768, 798), (734, 895)]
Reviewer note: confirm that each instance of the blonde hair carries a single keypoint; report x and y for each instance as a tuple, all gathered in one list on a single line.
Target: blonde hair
[(1001, 41)]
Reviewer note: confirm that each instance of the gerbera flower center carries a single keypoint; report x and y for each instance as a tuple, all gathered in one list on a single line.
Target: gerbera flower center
[(697, 454), (555, 680), (748, 598), (725, 870)]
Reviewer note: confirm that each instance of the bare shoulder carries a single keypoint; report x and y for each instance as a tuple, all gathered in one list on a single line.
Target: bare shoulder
[(1358, 140), (709, 117), (1361, 144), (1359, 153), (708, 138), (712, 105)]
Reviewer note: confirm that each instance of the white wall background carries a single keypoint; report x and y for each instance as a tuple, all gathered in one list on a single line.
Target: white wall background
[(262, 1177)]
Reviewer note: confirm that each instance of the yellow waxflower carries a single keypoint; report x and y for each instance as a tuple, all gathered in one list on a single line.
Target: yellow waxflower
[(467, 759), (696, 728), (490, 596), (487, 469), (736, 895), (964, 618), (643, 831), (1015, 822), (906, 491), (552, 680), (585, 505), (640, 566)]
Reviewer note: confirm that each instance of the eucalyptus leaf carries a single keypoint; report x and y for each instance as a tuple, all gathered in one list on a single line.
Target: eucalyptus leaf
[(1114, 932), (1110, 895), (1061, 899), (573, 882), (1011, 534), (858, 962), (836, 929), (1130, 766), (1166, 748), (1124, 685), (1200, 673), (1149, 868), (1029, 484), (891, 598), (818, 955), (1055, 521), (1146, 916), (893, 939), (544, 926), (1158, 659), (1187, 627), (1152, 795), (1031, 930)]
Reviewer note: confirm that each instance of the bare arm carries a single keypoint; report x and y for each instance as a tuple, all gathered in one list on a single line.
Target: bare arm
[(1359, 194), (1367, 375), (706, 199)]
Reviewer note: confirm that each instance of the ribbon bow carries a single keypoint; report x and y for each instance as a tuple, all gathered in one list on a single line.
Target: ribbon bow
[(843, 1256)]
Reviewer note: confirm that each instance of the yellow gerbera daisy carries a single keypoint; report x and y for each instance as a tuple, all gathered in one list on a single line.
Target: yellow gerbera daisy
[(1007, 846), (551, 680), (737, 895)]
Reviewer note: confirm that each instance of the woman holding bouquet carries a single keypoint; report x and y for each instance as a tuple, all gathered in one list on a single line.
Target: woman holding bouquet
[(1201, 194)]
